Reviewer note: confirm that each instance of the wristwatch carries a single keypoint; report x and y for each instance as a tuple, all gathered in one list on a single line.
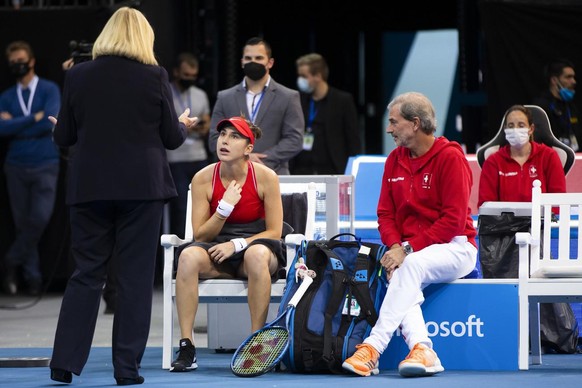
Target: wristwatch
[(407, 247)]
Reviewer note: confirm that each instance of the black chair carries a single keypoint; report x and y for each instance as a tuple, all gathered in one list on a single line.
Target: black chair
[(542, 134)]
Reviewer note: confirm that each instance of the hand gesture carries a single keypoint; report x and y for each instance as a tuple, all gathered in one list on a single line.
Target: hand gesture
[(232, 193), (189, 122), (66, 65), (257, 157)]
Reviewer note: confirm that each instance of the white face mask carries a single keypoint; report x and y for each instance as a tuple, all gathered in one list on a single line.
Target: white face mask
[(517, 137), (303, 85)]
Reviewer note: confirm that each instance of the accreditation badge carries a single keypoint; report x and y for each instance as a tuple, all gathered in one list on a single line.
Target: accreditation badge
[(308, 139)]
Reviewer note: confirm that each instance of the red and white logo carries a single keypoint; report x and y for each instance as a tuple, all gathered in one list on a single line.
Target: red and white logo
[(426, 180)]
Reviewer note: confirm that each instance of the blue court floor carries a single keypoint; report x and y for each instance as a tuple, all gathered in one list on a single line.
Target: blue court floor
[(27, 331), (559, 371)]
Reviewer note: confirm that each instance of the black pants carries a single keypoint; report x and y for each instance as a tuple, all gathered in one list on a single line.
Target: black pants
[(100, 230)]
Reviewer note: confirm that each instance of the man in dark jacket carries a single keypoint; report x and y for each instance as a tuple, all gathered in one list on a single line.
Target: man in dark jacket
[(558, 102), (331, 121)]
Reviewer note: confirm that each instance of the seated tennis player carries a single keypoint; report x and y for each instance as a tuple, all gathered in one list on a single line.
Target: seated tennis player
[(237, 218)]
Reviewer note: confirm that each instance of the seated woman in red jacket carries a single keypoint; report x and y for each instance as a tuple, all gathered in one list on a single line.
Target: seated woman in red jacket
[(508, 174)]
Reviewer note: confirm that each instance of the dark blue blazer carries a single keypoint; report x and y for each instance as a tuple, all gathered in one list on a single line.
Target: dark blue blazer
[(119, 115)]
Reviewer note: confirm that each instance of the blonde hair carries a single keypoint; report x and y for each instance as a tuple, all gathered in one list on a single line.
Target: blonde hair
[(127, 33)]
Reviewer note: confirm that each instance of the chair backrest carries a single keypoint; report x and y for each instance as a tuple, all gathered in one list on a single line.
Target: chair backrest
[(542, 134), (367, 171), (298, 208), (561, 234), (295, 209)]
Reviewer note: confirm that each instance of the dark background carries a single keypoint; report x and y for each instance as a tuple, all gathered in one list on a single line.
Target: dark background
[(503, 46)]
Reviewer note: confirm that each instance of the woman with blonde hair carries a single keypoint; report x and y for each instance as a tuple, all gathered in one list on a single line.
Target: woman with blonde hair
[(117, 111)]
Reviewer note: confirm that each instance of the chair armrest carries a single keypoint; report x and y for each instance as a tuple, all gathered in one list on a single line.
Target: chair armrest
[(171, 240), (523, 238), (525, 241), (292, 241)]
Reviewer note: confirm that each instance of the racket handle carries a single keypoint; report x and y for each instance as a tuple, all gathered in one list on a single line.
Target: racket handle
[(307, 280)]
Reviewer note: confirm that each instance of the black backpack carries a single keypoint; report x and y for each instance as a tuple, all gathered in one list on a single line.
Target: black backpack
[(341, 306)]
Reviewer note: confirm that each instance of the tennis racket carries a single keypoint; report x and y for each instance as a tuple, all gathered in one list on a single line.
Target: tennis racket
[(263, 350)]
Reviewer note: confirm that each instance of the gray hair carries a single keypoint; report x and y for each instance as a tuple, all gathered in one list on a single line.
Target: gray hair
[(414, 104)]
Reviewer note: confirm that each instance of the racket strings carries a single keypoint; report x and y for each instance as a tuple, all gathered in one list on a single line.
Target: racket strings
[(261, 352)]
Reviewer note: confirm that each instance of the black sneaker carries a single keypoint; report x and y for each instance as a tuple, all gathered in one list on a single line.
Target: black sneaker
[(186, 360)]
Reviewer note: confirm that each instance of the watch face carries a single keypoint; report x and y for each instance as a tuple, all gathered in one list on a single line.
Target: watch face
[(407, 248)]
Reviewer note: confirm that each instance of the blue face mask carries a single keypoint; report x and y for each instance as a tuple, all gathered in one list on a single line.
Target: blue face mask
[(566, 94), (303, 85)]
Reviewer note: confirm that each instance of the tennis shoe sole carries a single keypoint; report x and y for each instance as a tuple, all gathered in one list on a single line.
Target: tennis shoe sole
[(349, 367), (410, 369), (183, 368)]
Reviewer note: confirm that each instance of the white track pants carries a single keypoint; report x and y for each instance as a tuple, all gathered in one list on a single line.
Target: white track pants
[(438, 263)]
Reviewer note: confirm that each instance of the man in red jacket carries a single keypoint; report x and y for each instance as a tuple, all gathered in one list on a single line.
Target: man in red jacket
[(425, 219)]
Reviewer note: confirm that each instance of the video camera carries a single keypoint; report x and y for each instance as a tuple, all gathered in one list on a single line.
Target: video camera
[(81, 51)]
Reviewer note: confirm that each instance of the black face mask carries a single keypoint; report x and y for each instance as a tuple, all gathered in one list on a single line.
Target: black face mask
[(19, 69), (254, 70), (186, 83)]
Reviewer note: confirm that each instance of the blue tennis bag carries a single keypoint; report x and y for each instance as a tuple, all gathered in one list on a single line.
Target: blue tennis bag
[(341, 306)]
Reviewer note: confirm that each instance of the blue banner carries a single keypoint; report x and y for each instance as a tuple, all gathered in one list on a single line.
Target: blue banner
[(473, 326)]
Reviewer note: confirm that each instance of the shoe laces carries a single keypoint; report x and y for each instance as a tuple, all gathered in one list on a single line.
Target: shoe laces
[(365, 353), (186, 352), (422, 353)]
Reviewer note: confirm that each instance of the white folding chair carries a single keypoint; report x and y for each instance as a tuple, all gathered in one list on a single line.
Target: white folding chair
[(543, 278), (225, 290)]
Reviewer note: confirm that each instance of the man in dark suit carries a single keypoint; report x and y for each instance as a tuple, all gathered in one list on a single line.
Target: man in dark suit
[(267, 104), (331, 121)]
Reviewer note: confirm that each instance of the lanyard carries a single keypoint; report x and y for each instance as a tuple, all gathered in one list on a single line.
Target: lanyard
[(183, 102), (32, 87), (255, 108), (312, 114)]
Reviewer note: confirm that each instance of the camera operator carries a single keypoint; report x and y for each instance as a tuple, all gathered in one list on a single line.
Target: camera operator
[(80, 52), (68, 64)]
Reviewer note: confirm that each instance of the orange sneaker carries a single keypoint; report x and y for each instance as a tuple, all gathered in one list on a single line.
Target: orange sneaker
[(421, 361), (364, 361)]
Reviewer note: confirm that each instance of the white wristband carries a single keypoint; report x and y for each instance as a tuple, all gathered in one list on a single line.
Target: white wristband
[(239, 244), (224, 208)]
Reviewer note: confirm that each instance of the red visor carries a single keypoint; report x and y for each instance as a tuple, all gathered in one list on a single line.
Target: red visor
[(239, 124)]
